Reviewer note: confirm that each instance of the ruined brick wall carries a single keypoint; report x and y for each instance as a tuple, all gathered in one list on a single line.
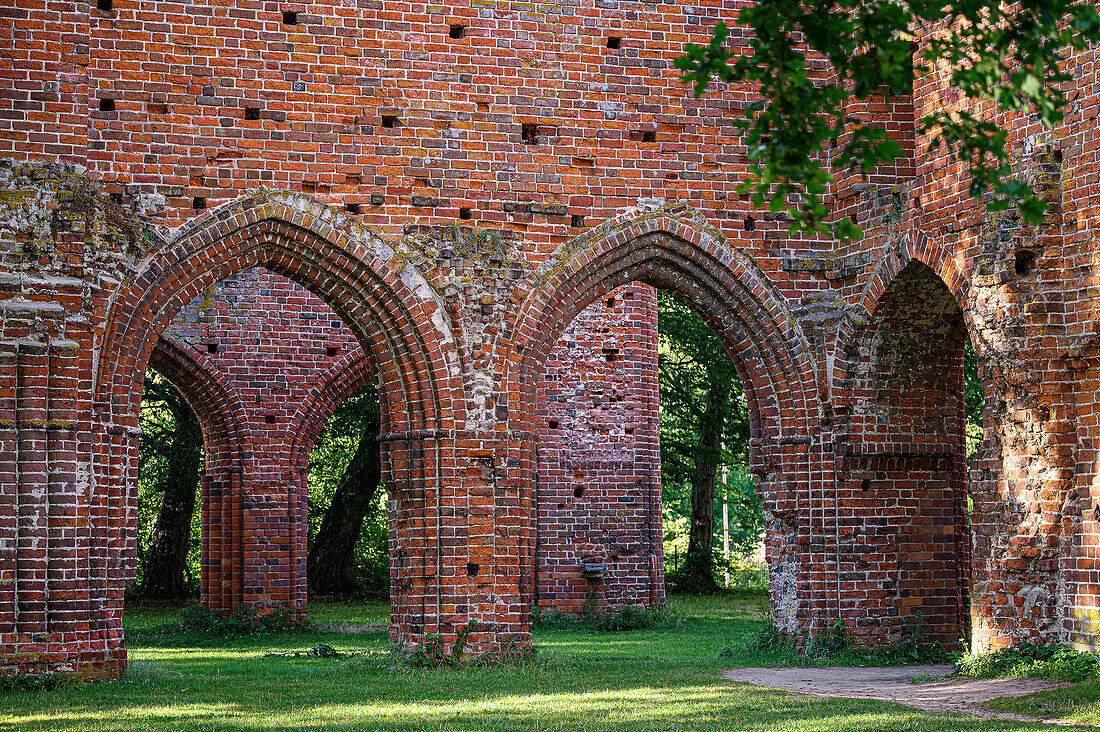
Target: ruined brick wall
[(598, 532), (1025, 299), (273, 347), (458, 197), (903, 544)]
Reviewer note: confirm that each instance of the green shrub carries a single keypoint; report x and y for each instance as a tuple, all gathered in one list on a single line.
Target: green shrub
[(25, 682), (432, 652), (1045, 662), (834, 646), (553, 620), (629, 618)]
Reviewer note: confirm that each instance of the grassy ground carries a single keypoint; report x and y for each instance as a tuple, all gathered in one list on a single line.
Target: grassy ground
[(368, 612), (662, 679), (1076, 703)]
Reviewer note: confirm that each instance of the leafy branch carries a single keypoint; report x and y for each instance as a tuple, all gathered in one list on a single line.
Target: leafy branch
[(1004, 58)]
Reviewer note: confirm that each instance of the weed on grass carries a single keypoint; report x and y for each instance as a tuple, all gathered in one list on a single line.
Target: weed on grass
[(767, 645)]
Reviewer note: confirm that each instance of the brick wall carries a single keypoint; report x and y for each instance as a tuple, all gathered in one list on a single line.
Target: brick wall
[(458, 201), (598, 533)]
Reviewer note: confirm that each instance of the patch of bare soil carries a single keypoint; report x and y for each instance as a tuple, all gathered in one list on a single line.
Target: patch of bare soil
[(895, 684)]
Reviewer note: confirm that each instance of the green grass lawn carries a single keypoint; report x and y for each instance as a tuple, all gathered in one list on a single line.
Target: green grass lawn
[(1076, 703), (367, 612), (662, 679)]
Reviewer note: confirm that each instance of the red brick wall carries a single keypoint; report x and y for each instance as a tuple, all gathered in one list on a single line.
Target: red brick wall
[(44, 56), (459, 322), (599, 460)]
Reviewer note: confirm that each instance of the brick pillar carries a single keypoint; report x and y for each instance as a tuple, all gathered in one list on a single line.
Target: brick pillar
[(461, 512), (220, 542), (48, 565)]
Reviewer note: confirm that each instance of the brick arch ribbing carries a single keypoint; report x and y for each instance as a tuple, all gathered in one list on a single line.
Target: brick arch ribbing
[(391, 310), (756, 327), (206, 390), (723, 284), (360, 278), (349, 374), (914, 246)]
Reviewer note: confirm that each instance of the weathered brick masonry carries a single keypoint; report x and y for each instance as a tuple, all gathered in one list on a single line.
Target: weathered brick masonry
[(457, 183), (598, 532), (284, 362)]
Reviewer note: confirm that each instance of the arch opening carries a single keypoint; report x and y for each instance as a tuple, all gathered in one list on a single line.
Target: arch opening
[(254, 518), (290, 359), (171, 468), (348, 559), (763, 342), (903, 518)]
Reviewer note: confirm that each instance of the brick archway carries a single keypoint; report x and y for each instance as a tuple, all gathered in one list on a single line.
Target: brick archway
[(1022, 496), (347, 267), (225, 435), (771, 354), (348, 375), (902, 530), (394, 315), (915, 246)]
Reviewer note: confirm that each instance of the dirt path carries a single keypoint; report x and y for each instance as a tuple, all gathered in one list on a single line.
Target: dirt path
[(967, 696)]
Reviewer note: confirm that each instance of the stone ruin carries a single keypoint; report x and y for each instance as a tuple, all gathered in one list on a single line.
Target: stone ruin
[(456, 183)]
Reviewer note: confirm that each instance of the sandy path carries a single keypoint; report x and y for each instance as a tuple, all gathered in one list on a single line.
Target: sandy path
[(967, 696)]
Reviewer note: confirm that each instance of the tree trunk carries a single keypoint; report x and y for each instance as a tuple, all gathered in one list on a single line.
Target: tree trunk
[(331, 562), (166, 561), (697, 575)]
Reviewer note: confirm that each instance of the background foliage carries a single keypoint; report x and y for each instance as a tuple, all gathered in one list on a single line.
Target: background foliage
[(1001, 57), (330, 457), (690, 356), (158, 427)]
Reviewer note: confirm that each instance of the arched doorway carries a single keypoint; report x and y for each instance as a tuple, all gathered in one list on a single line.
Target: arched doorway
[(249, 552)]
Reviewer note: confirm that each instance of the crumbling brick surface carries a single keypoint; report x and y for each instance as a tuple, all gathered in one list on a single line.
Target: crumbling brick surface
[(458, 202)]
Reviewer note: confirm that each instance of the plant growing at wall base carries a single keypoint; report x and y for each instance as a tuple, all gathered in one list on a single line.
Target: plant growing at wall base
[(197, 621), (1038, 661), (626, 618), (433, 652)]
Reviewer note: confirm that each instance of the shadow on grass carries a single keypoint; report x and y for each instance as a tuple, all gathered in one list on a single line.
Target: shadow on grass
[(593, 695)]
